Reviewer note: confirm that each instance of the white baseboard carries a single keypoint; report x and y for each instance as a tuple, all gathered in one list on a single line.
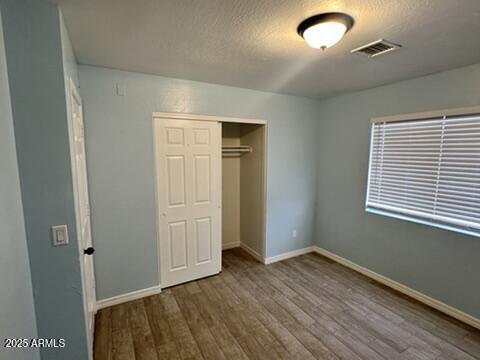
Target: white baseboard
[(289, 255), (427, 300), (134, 295), (252, 252), (230, 245)]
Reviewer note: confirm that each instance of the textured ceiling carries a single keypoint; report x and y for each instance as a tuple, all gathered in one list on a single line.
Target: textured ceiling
[(253, 43)]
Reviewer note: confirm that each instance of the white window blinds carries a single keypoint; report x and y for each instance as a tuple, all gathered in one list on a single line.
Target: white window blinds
[(427, 170)]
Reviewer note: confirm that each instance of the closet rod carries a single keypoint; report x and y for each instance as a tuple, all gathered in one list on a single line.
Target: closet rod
[(236, 149)]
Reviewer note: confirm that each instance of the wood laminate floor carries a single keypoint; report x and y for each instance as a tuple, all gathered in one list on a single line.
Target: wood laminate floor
[(307, 307)]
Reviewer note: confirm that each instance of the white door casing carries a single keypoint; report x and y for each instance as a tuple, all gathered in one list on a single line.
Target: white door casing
[(187, 162), (82, 210)]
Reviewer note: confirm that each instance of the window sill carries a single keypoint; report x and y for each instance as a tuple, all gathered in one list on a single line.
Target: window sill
[(394, 215)]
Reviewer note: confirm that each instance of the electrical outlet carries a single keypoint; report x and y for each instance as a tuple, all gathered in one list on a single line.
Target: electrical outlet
[(60, 235), (121, 89), (294, 233)]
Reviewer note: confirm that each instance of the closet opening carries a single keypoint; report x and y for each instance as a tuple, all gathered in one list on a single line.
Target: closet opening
[(210, 192), (243, 187)]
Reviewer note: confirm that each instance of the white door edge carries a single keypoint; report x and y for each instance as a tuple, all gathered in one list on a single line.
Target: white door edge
[(73, 94)]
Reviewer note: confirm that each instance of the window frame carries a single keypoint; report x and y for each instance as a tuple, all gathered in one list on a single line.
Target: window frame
[(453, 112)]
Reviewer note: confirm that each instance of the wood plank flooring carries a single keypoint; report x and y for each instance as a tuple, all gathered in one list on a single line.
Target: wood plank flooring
[(307, 307)]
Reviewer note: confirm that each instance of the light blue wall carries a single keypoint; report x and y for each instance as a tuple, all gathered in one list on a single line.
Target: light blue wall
[(442, 264), (37, 88), (16, 297), (121, 172), (70, 67)]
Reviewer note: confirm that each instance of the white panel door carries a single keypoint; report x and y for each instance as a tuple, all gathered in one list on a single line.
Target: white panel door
[(82, 210), (187, 160)]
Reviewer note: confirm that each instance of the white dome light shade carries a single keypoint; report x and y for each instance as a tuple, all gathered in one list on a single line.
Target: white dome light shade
[(324, 35), (325, 30)]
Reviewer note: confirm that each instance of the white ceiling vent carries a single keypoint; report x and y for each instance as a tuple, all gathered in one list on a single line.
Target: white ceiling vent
[(376, 48)]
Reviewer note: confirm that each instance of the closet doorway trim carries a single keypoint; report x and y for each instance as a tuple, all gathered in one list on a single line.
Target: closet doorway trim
[(220, 119), (183, 116)]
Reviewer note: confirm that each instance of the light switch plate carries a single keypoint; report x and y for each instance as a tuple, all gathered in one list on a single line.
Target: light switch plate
[(60, 235)]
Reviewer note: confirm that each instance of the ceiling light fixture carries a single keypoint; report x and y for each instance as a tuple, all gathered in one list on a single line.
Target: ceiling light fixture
[(325, 30)]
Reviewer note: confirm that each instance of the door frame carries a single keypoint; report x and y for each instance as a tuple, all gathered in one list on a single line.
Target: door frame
[(73, 93), (220, 120)]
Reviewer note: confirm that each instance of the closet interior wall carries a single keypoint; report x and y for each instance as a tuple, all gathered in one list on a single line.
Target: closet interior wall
[(243, 188), (230, 188)]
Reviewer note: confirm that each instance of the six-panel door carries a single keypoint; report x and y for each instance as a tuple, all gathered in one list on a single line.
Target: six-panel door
[(187, 157)]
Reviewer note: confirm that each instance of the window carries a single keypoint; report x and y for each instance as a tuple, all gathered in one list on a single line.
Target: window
[(426, 168)]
